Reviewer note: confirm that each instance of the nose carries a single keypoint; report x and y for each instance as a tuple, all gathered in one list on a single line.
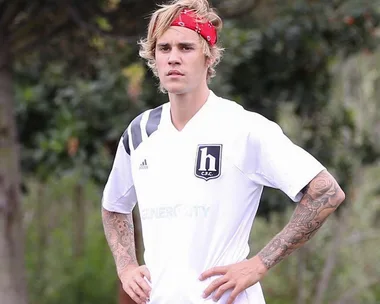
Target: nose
[(174, 57)]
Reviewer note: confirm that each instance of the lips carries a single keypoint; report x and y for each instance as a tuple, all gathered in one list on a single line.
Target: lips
[(175, 73)]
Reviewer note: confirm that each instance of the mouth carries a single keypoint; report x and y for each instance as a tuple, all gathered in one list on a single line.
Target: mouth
[(174, 73)]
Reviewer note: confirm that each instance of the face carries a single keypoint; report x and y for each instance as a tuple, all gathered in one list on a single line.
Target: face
[(180, 61)]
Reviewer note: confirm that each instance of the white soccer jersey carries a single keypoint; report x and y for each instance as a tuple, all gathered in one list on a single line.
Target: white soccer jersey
[(198, 191)]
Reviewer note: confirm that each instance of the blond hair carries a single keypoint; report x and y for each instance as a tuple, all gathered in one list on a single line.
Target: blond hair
[(161, 20)]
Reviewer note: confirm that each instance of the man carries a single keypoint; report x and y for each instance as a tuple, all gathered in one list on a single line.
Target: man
[(197, 166)]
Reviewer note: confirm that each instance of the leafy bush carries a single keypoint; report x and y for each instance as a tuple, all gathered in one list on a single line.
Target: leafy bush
[(65, 263)]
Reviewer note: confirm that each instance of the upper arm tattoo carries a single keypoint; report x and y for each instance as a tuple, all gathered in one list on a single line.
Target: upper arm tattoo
[(321, 197)]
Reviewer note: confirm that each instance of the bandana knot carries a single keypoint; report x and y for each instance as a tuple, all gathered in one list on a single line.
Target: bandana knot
[(187, 18)]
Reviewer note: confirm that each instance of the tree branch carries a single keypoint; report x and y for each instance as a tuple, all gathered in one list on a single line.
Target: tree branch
[(361, 237), (302, 256), (4, 56), (76, 17), (34, 11), (10, 12), (35, 24), (39, 40), (235, 9), (2, 7), (93, 10), (330, 264), (350, 293)]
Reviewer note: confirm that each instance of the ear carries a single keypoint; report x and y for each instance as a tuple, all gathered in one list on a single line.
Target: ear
[(209, 61)]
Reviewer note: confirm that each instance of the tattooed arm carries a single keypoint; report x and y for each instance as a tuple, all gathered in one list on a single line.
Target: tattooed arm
[(119, 233), (321, 197)]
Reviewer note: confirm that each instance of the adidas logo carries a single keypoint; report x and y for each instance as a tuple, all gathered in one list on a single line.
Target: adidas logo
[(143, 165)]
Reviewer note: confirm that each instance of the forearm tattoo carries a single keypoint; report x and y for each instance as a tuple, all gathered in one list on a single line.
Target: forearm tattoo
[(321, 197), (119, 232)]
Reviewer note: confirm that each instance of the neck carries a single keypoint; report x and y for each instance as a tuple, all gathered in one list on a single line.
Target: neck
[(185, 106)]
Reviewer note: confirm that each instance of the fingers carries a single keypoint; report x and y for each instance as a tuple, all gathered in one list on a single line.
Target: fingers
[(144, 286), (233, 295), (214, 286), (139, 291), (222, 289), (220, 286), (213, 272), (146, 273), (137, 285), (133, 295), (136, 293)]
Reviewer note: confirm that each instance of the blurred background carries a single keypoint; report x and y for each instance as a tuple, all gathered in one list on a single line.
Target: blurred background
[(71, 81)]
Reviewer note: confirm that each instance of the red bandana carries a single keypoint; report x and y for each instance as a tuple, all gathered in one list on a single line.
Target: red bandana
[(187, 18)]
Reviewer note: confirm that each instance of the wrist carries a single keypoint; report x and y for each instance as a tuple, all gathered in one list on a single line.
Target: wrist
[(127, 269), (259, 265)]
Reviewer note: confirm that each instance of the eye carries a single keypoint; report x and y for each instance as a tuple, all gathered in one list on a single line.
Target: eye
[(163, 48), (187, 48)]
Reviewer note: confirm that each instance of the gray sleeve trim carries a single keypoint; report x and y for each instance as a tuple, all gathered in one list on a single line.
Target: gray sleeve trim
[(153, 120), (136, 131), (126, 142), (152, 124)]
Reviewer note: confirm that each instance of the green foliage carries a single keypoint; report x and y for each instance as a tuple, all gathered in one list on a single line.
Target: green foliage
[(281, 63), (285, 60), (290, 58), (295, 68), (56, 273), (68, 120), (345, 245)]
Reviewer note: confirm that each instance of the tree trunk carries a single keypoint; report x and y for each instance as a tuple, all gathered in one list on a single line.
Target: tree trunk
[(340, 223), (42, 237), (330, 263), (302, 256), (79, 221), (12, 267), (79, 231)]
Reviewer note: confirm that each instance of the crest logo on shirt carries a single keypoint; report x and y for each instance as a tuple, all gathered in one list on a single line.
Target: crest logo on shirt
[(208, 161)]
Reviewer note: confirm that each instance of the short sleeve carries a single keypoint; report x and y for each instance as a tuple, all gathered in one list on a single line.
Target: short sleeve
[(273, 160), (119, 193)]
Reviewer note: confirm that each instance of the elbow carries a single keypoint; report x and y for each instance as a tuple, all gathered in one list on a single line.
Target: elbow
[(105, 214), (340, 196)]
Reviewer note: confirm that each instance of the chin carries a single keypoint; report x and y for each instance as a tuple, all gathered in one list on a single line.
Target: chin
[(175, 89)]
